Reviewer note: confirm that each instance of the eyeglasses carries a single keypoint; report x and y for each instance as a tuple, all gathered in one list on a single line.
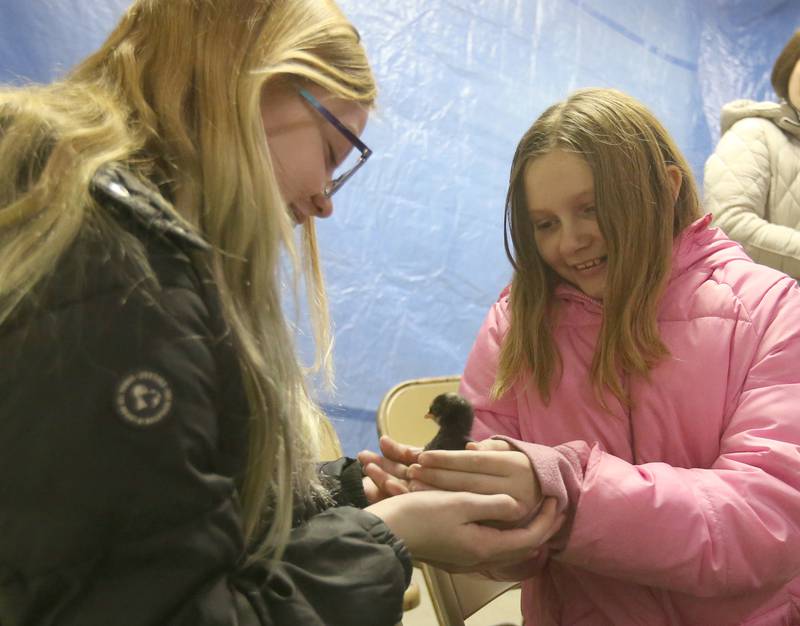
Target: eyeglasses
[(348, 170)]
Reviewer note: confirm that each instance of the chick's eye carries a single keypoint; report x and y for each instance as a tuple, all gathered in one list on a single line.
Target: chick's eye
[(543, 225), (590, 210)]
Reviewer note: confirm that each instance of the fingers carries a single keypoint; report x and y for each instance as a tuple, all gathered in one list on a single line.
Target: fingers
[(368, 456), (547, 513), (398, 452), (394, 487), (387, 474), (391, 450), (558, 518), (385, 481), (546, 524), (449, 480), (377, 474), (417, 485), (448, 529), (490, 444), (494, 462), (521, 543), (398, 470)]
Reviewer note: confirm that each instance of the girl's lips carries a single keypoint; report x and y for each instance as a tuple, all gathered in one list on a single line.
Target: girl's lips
[(591, 267)]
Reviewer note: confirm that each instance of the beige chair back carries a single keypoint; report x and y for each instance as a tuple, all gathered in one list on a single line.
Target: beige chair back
[(401, 416)]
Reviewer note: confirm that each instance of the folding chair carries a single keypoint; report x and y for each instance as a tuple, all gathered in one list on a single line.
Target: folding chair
[(401, 416)]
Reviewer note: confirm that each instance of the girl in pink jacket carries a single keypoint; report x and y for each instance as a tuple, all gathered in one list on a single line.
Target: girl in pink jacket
[(643, 374)]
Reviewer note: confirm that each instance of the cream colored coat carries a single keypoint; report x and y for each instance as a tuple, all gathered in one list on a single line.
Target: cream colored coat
[(752, 181)]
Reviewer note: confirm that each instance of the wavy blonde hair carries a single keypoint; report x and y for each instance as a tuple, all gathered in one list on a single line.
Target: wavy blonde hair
[(174, 94), (629, 152)]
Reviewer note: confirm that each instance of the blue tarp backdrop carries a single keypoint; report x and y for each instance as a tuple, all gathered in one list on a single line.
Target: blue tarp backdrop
[(414, 255)]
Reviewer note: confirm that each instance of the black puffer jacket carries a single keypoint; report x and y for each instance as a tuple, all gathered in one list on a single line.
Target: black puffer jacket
[(121, 444)]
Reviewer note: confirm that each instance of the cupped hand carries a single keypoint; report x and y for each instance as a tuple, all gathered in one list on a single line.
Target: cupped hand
[(387, 475), (488, 467), (548, 523), (446, 528)]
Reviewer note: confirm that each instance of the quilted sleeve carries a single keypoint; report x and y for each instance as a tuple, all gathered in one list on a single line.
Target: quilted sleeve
[(737, 191)]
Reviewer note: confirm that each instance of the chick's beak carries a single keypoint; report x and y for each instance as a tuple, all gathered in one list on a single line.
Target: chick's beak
[(429, 416)]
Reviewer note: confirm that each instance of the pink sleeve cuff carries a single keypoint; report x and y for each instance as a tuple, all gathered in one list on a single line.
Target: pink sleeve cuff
[(559, 471)]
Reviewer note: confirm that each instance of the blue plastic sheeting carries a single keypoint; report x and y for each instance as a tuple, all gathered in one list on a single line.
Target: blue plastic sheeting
[(41, 39), (414, 256)]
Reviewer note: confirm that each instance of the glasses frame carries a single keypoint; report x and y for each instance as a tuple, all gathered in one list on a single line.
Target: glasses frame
[(333, 186)]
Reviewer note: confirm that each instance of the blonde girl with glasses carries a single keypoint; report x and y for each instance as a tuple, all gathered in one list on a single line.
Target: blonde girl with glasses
[(157, 438)]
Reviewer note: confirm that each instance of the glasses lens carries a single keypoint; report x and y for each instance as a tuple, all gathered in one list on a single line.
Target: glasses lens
[(348, 165)]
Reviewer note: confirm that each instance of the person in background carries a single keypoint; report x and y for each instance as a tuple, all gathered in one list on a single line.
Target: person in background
[(157, 436), (752, 180), (641, 370)]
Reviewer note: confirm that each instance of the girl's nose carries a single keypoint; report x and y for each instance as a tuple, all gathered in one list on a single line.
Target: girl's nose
[(573, 238), (322, 205)]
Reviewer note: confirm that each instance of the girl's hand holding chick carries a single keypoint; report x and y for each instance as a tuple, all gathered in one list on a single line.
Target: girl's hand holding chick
[(491, 466)]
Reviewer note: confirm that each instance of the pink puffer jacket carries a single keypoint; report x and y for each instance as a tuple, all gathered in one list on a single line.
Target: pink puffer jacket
[(685, 509)]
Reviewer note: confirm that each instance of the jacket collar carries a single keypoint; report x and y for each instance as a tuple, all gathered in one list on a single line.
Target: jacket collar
[(116, 187)]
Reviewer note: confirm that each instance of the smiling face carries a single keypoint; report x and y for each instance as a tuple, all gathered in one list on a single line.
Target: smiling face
[(559, 189), (305, 147)]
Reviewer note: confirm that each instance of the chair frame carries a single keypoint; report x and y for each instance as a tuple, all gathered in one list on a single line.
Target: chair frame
[(455, 597)]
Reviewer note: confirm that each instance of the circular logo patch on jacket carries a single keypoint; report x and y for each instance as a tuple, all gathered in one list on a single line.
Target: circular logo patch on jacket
[(144, 398)]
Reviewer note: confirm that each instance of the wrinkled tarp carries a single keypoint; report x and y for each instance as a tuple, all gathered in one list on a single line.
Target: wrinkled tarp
[(414, 255)]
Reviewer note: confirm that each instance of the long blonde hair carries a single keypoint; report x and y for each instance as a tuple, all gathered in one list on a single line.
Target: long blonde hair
[(174, 95), (628, 151)]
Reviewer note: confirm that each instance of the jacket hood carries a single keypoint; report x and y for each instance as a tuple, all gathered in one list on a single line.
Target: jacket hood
[(782, 114)]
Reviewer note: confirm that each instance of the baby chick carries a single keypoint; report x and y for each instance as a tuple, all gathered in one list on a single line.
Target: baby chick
[(454, 415)]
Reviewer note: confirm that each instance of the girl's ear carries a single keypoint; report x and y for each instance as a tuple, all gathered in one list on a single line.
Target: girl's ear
[(675, 180)]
